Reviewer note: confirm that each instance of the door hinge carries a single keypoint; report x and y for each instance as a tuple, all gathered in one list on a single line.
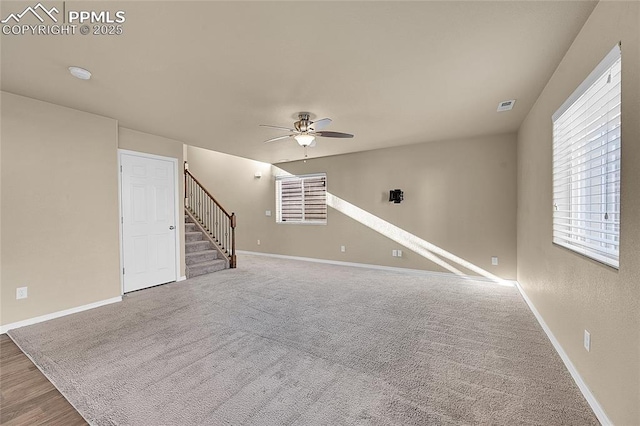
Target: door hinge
[(120, 169), (121, 219), (122, 271)]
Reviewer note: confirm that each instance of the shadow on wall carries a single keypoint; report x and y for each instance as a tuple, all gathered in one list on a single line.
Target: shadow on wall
[(412, 242)]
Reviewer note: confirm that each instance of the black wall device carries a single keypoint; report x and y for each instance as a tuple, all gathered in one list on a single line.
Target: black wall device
[(396, 195)]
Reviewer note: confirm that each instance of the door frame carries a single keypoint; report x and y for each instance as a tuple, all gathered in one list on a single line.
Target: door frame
[(176, 213)]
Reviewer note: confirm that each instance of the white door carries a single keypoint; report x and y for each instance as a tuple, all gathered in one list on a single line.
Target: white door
[(148, 221)]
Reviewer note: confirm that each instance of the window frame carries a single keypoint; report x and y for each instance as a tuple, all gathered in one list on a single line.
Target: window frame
[(302, 179), (586, 212)]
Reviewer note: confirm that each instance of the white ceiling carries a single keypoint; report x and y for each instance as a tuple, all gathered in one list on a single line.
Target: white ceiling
[(392, 73)]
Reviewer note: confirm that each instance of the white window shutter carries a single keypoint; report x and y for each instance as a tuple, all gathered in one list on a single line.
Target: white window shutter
[(301, 199)]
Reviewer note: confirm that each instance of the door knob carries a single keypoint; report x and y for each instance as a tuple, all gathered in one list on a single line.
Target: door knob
[(172, 228)]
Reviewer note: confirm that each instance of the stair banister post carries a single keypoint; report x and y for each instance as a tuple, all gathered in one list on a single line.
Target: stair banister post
[(186, 193), (232, 261)]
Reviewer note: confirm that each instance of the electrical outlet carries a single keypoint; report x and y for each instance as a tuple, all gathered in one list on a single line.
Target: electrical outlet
[(267, 212), (494, 260), (258, 242), (21, 293), (587, 340), (343, 249), (394, 253), (399, 253)]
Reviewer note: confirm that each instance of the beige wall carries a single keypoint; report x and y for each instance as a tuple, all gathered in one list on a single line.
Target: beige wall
[(59, 208), (152, 144), (571, 292), (60, 216), (464, 204), (1, 291), (231, 181)]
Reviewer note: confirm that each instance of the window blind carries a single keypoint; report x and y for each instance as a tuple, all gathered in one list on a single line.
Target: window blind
[(586, 165), (301, 199)]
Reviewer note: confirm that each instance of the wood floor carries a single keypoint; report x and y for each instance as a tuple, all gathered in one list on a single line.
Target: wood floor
[(28, 398)]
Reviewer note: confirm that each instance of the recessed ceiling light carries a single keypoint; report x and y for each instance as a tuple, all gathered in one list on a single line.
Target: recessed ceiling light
[(80, 73)]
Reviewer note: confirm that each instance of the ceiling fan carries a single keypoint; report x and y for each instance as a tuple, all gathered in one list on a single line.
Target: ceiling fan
[(305, 131)]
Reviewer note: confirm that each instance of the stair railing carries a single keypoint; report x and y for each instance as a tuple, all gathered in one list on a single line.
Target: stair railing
[(220, 225)]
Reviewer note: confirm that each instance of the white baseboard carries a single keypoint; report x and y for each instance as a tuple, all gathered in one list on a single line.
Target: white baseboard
[(380, 267), (31, 321), (182, 278), (586, 392)]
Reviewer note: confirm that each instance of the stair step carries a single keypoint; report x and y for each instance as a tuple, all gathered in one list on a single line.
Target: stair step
[(200, 256), (193, 236), (197, 246), (206, 268)]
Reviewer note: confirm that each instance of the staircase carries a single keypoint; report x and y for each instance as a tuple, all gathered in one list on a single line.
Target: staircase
[(201, 256), (210, 231)]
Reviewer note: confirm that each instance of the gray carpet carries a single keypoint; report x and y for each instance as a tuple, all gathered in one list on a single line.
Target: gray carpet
[(283, 342)]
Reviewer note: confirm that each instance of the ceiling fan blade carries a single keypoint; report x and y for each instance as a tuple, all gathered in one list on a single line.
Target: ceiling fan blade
[(278, 138), (333, 134), (278, 127), (320, 124)]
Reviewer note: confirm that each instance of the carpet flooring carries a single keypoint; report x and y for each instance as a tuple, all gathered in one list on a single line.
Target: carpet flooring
[(286, 342)]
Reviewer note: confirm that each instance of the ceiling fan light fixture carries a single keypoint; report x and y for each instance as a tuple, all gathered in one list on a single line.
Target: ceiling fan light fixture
[(304, 140)]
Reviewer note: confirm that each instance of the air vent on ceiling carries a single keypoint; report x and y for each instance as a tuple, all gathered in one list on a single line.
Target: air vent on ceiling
[(506, 105)]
